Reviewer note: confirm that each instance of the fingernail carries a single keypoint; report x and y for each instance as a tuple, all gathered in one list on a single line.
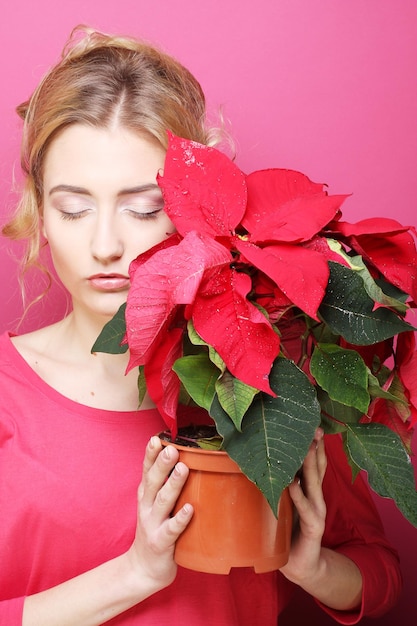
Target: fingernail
[(167, 453), (186, 509)]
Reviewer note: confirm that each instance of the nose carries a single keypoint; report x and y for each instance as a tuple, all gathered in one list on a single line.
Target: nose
[(106, 241)]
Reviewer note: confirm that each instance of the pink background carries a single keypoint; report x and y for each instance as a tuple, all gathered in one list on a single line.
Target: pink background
[(324, 86)]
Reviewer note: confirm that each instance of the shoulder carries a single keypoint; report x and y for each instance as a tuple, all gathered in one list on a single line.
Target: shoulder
[(14, 387), (7, 350), (18, 357), (31, 343), (36, 348)]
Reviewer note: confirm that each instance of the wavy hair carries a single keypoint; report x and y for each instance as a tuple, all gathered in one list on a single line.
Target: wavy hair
[(101, 80)]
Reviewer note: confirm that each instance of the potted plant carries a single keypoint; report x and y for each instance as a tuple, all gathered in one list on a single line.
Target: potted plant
[(274, 315)]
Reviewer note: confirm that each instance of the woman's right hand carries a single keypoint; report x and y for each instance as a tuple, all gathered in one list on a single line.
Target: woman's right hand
[(111, 588), (163, 477)]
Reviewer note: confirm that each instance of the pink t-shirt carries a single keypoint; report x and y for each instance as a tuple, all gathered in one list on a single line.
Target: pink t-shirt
[(68, 481)]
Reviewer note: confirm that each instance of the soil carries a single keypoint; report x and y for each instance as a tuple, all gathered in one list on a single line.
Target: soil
[(189, 435)]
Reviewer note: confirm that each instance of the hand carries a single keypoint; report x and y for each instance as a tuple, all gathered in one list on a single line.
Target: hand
[(99, 594), (329, 576), (162, 480), (307, 495)]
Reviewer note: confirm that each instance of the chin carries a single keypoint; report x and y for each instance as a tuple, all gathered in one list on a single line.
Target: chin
[(109, 309)]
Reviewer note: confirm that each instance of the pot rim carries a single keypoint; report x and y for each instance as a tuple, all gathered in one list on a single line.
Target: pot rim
[(206, 460)]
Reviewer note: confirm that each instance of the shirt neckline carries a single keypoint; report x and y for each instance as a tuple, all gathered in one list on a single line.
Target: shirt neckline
[(23, 367)]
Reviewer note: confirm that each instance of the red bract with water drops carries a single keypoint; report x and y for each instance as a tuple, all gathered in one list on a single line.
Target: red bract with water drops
[(230, 228), (233, 233), (203, 189), (274, 316)]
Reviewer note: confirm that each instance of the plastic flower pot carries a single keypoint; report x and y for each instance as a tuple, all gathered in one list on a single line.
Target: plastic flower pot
[(233, 524)]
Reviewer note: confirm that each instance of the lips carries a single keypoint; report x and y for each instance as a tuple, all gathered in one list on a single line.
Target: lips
[(109, 282)]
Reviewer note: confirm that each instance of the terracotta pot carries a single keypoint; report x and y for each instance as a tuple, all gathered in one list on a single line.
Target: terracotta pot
[(233, 525)]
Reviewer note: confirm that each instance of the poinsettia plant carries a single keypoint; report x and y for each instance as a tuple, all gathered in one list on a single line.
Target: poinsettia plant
[(275, 316)]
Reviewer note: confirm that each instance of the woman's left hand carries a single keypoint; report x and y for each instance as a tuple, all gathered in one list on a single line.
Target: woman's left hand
[(307, 495), (329, 576)]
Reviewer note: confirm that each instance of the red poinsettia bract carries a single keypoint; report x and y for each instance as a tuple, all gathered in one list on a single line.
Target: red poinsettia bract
[(234, 233), (387, 245)]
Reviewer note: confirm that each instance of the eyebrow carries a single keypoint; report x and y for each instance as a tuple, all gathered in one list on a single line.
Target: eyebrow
[(85, 192)]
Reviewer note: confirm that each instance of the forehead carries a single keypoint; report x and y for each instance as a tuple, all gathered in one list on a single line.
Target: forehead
[(87, 156)]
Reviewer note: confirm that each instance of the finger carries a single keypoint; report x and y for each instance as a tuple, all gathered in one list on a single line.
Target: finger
[(321, 458), (297, 493), (176, 524), (310, 469), (319, 434), (157, 466), (152, 450), (314, 468), (310, 507), (168, 494)]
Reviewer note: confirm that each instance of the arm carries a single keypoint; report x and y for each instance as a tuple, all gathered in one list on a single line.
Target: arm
[(329, 576), (351, 543), (147, 567)]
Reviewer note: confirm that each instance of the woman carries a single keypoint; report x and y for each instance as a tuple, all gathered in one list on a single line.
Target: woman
[(80, 544)]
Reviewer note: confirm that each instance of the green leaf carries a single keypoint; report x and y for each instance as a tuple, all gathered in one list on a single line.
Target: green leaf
[(196, 340), (376, 391), (193, 335), (198, 375), (141, 384), (392, 291), (348, 310), (234, 396), (111, 337), (373, 289), (331, 426), (342, 373), (354, 468), (401, 404), (216, 359), (379, 451), (276, 432), (380, 289), (335, 411), (322, 333), (211, 443)]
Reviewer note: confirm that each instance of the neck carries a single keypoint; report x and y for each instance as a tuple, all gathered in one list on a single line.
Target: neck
[(76, 334)]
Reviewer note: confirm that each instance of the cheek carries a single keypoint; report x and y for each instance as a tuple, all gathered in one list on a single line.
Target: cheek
[(146, 238), (168, 228), (66, 253), (163, 233)]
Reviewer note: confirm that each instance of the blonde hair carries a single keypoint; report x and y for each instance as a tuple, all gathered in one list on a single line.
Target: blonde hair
[(101, 79)]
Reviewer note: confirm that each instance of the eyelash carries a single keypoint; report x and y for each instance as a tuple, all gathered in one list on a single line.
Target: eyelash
[(151, 215), (68, 216)]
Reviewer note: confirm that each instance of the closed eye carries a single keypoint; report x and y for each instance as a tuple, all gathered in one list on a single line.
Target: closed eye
[(70, 216), (144, 213), (143, 206)]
